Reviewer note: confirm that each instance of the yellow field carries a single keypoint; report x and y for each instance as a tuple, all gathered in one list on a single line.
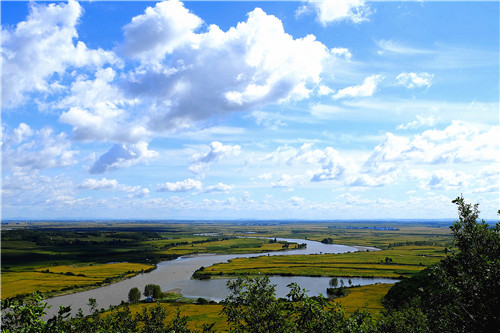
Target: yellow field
[(237, 245), (405, 260), (368, 298), (197, 314), (14, 283)]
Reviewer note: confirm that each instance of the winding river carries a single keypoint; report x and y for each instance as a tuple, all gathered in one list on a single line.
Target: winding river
[(176, 274)]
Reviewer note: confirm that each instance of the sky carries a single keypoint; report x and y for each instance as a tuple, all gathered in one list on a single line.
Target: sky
[(249, 110)]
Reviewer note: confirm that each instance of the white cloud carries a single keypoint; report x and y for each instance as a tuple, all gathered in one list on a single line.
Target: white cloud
[(267, 119), (219, 188), (41, 46), (366, 89), (420, 122), (415, 80), (200, 162), (341, 52), (181, 186), (98, 184), (96, 110), (122, 156), (324, 111), (365, 180), (26, 149), (296, 201), (324, 90), (113, 185), (457, 143), (253, 64), (159, 31), (443, 179), (390, 46), (288, 181), (330, 11), (326, 164), (265, 176)]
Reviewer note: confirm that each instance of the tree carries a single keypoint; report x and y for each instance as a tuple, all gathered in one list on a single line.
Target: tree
[(152, 290), (253, 307), (334, 282), (134, 295), (462, 292)]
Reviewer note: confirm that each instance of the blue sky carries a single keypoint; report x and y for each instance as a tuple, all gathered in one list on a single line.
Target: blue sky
[(249, 110)]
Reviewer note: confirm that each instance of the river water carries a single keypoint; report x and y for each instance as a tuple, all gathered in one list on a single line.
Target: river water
[(177, 273)]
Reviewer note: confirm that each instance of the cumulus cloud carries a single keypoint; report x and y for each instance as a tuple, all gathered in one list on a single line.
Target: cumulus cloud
[(332, 11), (159, 31), (181, 186), (287, 181), (366, 89), (250, 65), (113, 185), (27, 149), (96, 110), (443, 179), (42, 45), (457, 143), (326, 164), (122, 156), (415, 80), (200, 162)]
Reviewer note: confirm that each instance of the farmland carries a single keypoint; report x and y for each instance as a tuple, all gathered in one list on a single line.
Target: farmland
[(59, 258), (66, 277), (391, 263)]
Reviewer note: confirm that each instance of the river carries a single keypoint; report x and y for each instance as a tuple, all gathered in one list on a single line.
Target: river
[(177, 273)]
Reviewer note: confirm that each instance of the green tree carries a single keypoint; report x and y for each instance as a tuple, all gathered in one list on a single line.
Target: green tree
[(253, 307), (462, 292), (152, 290), (334, 282), (134, 295)]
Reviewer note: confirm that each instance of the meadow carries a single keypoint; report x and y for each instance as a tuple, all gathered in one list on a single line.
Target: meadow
[(55, 259), (395, 262), (369, 298), (198, 314), (53, 279)]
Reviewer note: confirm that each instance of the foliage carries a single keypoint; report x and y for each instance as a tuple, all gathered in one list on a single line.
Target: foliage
[(134, 295), (253, 307), (152, 290), (26, 317), (462, 292)]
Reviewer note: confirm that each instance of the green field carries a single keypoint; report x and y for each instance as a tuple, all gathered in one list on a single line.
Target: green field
[(198, 314), (391, 263), (57, 278), (368, 298), (72, 255)]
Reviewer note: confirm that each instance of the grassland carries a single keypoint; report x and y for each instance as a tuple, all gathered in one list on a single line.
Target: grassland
[(391, 263), (197, 314), (368, 298), (55, 279), (72, 256)]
